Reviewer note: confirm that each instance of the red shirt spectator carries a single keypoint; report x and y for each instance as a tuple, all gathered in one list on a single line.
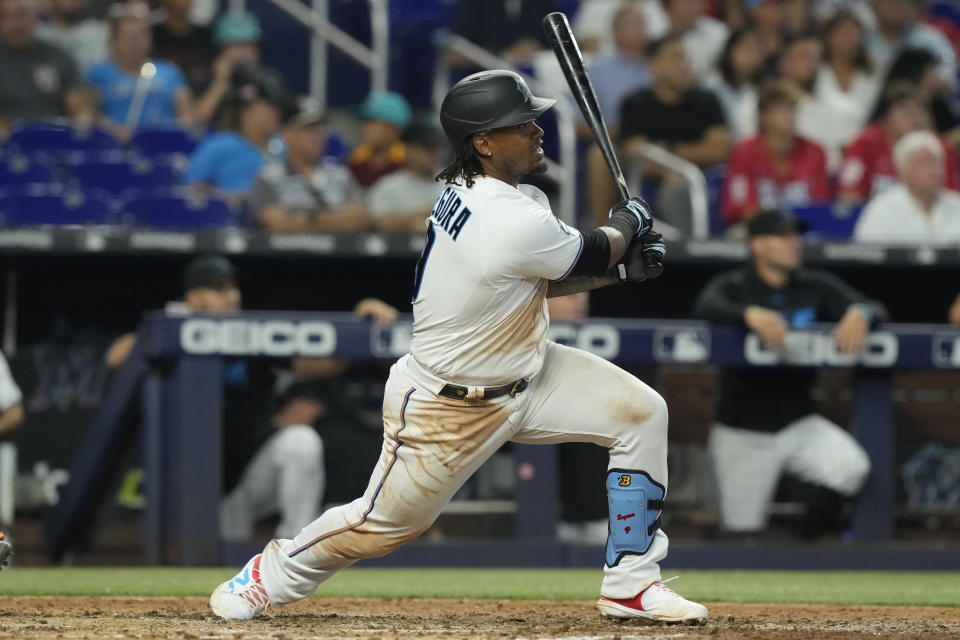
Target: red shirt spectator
[(776, 169), (755, 181), (867, 167)]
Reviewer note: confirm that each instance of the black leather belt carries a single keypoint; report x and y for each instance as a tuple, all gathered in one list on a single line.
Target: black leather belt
[(489, 393)]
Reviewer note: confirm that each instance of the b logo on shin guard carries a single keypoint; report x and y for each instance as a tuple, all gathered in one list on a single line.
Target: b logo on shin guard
[(635, 501)]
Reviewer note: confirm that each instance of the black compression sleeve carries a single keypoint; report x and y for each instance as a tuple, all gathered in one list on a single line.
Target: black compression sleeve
[(624, 222), (594, 256)]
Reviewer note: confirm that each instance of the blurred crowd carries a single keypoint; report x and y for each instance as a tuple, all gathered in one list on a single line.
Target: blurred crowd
[(822, 107)]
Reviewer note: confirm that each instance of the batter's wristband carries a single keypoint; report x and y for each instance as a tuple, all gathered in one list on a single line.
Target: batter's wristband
[(626, 223)]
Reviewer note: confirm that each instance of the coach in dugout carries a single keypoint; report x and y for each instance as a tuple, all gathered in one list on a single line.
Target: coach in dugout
[(273, 455), (766, 423)]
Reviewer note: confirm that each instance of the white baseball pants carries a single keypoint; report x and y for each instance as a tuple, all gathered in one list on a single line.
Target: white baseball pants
[(432, 444), (748, 464), (285, 476)]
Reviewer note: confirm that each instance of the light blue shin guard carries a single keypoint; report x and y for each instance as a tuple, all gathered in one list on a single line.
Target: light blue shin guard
[(635, 501)]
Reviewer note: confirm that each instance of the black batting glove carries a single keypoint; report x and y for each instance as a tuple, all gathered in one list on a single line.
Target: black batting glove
[(643, 259), (632, 213)]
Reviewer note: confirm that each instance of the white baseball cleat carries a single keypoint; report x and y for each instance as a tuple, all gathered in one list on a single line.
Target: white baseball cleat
[(242, 597), (656, 602)]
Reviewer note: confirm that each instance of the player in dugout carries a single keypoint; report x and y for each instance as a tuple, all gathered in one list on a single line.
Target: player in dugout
[(273, 455), (766, 423), (481, 371)]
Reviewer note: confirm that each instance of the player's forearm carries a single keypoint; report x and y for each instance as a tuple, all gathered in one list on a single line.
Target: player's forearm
[(576, 284), (11, 418), (618, 245)]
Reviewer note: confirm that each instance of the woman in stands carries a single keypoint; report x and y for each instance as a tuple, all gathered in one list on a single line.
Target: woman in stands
[(846, 85), (134, 90), (735, 82)]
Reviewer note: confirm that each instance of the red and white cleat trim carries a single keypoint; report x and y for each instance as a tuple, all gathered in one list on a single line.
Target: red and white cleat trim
[(242, 597), (656, 602)]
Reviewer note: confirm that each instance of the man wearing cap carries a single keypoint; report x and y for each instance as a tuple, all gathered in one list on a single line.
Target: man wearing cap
[(307, 192), (38, 81), (481, 371), (766, 422), (402, 200), (229, 161), (273, 456), (384, 115)]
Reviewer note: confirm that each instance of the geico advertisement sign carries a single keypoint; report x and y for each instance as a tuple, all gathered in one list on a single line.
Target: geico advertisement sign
[(205, 336), (880, 349), (599, 339)]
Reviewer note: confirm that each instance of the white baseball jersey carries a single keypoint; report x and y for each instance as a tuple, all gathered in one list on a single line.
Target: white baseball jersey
[(479, 302), (480, 319), (10, 394)]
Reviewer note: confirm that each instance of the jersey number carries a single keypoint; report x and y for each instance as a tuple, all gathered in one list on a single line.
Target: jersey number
[(422, 261)]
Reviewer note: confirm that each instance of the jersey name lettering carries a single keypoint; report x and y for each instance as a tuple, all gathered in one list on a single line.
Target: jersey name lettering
[(448, 215)]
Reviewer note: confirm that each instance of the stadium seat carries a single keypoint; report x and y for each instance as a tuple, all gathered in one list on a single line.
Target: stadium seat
[(118, 171), (53, 204), (828, 221), (715, 177), (336, 148), (160, 141), (33, 137), (17, 168), (179, 208)]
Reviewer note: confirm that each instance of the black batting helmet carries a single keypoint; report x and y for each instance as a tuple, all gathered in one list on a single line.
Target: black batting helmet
[(488, 100)]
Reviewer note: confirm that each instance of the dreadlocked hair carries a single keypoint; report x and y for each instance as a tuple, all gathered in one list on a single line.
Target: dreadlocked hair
[(465, 165)]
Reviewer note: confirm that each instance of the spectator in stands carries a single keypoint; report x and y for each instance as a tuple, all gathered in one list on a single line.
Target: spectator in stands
[(921, 68), (186, 45), (230, 160), (777, 168), (402, 200), (676, 116), (75, 31), (11, 401), (132, 89), (867, 169), (38, 81), (846, 85), (703, 36), (769, 18), (899, 27), (799, 64), (592, 22), (509, 28), (735, 82), (766, 422), (237, 35), (918, 210), (307, 192), (384, 115), (624, 70)]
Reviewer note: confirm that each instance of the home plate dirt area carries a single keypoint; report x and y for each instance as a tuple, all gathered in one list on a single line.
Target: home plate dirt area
[(35, 618)]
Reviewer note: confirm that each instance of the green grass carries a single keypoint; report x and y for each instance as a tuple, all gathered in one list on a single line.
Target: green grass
[(813, 587)]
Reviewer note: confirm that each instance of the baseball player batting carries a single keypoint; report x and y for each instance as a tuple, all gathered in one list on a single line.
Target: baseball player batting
[(481, 371)]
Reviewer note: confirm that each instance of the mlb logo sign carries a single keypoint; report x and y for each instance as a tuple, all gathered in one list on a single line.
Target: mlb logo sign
[(684, 345), (946, 350)]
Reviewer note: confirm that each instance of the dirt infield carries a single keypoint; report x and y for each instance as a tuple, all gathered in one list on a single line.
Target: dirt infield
[(331, 618)]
